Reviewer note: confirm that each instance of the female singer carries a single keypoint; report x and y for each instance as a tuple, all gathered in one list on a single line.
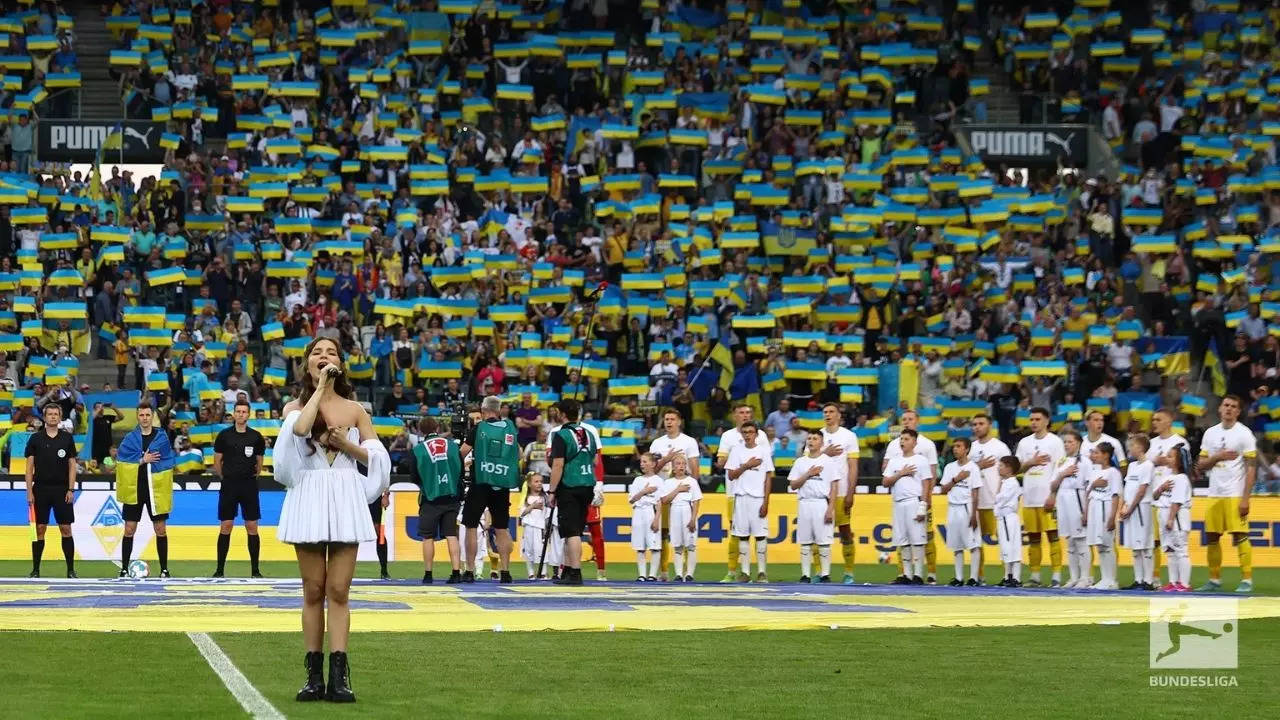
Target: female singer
[(326, 506)]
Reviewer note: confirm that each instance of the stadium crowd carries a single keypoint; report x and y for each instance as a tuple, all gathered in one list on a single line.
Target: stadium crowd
[(773, 192)]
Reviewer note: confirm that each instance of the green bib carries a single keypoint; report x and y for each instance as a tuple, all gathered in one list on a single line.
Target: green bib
[(579, 456), (439, 468), (497, 455)]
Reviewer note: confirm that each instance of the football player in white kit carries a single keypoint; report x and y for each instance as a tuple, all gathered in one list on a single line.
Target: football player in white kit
[(911, 486), (682, 492), (645, 537), (812, 478), (1163, 444), (1039, 454), (927, 450), (840, 444), (1136, 519), (750, 466), (987, 450), (1067, 498), (1173, 501), (729, 439), (1229, 454), (960, 481)]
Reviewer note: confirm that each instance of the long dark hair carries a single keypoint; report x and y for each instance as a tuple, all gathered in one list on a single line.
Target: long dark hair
[(341, 387)]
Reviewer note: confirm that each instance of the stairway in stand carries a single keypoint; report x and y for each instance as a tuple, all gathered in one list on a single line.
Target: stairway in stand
[(99, 93)]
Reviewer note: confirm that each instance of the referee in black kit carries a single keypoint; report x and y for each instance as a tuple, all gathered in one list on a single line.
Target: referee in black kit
[(237, 459), (51, 482)]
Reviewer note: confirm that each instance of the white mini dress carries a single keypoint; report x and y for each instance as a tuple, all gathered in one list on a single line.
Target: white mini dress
[(326, 503)]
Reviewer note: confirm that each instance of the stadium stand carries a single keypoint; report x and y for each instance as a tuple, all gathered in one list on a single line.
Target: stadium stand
[(781, 195)]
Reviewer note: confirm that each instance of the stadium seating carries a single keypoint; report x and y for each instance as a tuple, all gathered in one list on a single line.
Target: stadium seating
[(775, 193)]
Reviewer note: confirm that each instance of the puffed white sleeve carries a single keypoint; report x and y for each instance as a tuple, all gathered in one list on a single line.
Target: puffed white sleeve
[(286, 453), (378, 478)]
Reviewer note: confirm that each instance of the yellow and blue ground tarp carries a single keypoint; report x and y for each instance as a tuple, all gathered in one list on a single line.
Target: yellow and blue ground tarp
[(272, 606)]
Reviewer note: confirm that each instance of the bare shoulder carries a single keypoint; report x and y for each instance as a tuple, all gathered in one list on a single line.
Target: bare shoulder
[(356, 412), (291, 406)]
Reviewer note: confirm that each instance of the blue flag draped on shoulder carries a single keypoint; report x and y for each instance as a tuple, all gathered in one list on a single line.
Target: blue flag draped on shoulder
[(129, 464)]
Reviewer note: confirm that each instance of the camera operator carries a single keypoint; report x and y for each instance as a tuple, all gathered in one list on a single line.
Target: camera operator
[(495, 466)]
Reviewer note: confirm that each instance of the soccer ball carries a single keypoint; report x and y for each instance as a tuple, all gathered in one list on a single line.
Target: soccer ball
[(885, 556), (138, 569)]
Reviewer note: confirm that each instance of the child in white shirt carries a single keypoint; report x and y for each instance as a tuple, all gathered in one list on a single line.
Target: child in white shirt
[(1173, 498), (535, 518), (1100, 524), (1137, 531), (1009, 521), (685, 496), (645, 535)]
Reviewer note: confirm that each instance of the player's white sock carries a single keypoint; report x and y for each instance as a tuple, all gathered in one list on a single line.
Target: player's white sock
[(762, 549), (1088, 564), (1149, 565), (640, 563), (528, 566), (975, 560), (959, 564), (806, 559), (917, 556), (679, 562), (1184, 562), (904, 557), (1017, 569), (1008, 570), (691, 563), (824, 559), (655, 560), (744, 556)]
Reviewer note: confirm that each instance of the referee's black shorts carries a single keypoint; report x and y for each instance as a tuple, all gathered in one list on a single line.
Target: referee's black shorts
[(571, 507), (482, 497), (53, 500), (239, 495)]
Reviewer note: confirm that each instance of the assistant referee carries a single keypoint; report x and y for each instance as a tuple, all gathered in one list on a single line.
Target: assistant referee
[(237, 459), (51, 483)]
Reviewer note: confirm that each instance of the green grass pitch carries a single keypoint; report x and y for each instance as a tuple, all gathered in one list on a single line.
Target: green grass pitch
[(1060, 671)]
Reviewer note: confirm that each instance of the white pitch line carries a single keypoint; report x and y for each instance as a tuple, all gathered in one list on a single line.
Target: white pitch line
[(244, 692)]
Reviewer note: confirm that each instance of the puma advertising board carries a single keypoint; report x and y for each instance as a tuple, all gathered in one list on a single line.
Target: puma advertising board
[(79, 140), (1029, 145)]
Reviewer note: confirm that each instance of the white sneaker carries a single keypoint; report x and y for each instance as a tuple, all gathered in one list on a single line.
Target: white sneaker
[(1083, 584), (1106, 586), (1070, 584)]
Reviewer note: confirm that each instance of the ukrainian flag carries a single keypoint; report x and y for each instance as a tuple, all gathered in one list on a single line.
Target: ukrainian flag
[(286, 269), (143, 315), (63, 310), (166, 276), (157, 381), (273, 376), (754, 321), (1049, 368), (28, 216), (145, 337), (622, 386), (805, 371), (244, 204)]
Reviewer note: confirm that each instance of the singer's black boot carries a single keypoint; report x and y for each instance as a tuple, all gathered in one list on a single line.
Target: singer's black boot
[(314, 689), (339, 679)]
